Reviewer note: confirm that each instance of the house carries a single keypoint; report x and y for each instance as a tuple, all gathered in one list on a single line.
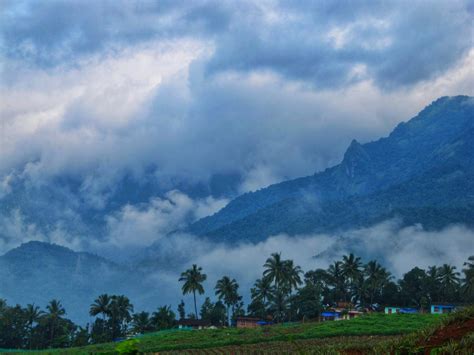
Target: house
[(331, 315), (442, 308), (408, 310), (390, 310), (353, 314), (247, 322), (192, 324)]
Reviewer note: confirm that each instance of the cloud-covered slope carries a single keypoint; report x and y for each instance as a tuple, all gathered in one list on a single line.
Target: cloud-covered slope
[(423, 172)]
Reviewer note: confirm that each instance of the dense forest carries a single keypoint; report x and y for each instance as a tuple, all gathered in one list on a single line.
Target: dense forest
[(283, 293)]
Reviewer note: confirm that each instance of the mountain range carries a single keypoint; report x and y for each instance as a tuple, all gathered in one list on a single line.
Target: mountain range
[(422, 173)]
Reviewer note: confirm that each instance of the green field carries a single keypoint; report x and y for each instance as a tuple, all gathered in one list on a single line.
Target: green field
[(292, 335)]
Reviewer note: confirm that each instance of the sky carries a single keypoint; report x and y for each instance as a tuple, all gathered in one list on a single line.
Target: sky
[(189, 90)]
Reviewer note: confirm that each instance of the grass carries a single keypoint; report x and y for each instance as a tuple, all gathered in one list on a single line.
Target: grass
[(289, 335)]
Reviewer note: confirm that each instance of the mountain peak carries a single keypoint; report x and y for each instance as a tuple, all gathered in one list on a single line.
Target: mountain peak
[(356, 159)]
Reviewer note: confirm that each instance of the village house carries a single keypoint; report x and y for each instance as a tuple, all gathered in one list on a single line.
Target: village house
[(442, 308), (192, 324), (247, 322), (391, 310)]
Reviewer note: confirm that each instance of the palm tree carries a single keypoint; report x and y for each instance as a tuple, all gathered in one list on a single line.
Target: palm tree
[(434, 284), (121, 308), (226, 291), (100, 306), (351, 268), (470, 263), (163, 318), (32, 314), (55, 312), (291, 276), (376, 278), (263, 289), (468, 280), (337, 280), (449, 280), (141, 322), (275, 269), (193, 279)]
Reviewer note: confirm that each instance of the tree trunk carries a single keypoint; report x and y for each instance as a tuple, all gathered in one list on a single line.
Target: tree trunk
[(195, 306)]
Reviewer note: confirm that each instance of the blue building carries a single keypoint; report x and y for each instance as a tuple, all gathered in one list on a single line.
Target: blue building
[(408, 310), (442, 308), (331, 315)]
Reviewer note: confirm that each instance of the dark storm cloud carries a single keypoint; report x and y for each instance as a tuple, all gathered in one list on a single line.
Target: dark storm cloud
[(323, 43), (179, 92)]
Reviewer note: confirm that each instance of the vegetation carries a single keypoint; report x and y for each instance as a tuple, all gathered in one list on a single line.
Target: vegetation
[(283, 294)]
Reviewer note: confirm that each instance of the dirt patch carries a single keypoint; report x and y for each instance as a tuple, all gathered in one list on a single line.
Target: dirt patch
[(450, 332)]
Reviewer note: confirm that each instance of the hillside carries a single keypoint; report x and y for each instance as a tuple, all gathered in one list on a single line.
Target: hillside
[(423, 172), (37, 272)]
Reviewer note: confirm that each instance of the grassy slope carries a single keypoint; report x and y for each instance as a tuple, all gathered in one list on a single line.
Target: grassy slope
[(374, 324)]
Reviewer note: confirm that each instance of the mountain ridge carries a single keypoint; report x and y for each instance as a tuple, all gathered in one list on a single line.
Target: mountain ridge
[(410, 150)]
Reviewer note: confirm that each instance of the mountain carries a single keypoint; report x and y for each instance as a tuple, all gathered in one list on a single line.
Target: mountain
[(423, 172), (37, 272)]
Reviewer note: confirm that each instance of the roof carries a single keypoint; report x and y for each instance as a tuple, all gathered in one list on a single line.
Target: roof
[(330, 314), (248, 319), (443, 305), (193, 322), (408, 310)]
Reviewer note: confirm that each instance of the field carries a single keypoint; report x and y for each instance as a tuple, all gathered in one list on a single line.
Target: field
[(287, 336), (374, 333)]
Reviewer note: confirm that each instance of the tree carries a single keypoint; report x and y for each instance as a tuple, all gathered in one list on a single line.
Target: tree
[(376, 278), (141, 322), (413, 287), (449, 280), (468, 280), (351, 269), (120, 310), (55, 312), (291, 275), (275, 269), (336, 279), (193, 279), (100, 306), (260, 295), (227, 291), (433, 283), (163, 318), (181, 310), (33, 315)]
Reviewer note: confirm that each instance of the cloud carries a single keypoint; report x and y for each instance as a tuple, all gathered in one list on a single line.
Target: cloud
[(398, 249), (141, 225), (176, 94)]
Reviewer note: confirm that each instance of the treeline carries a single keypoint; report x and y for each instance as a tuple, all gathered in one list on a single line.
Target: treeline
[(283, 293)]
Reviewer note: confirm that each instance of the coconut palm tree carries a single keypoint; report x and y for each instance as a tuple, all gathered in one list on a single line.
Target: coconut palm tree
[(163, 318), (336, 279), (123, 309), (468, 280), (449, 280), (226, 291), (100, 306), (55, 312), (32, 314), (262, 289), (275, 269), (292, 275), (141, 322), (376, 278), (351, 268), (193, 279)]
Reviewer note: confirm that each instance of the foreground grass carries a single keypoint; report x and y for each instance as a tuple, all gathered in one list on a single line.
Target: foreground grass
[(293, 334)]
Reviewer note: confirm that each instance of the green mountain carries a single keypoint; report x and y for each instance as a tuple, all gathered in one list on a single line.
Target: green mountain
[(37, 272), (423, 172)]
